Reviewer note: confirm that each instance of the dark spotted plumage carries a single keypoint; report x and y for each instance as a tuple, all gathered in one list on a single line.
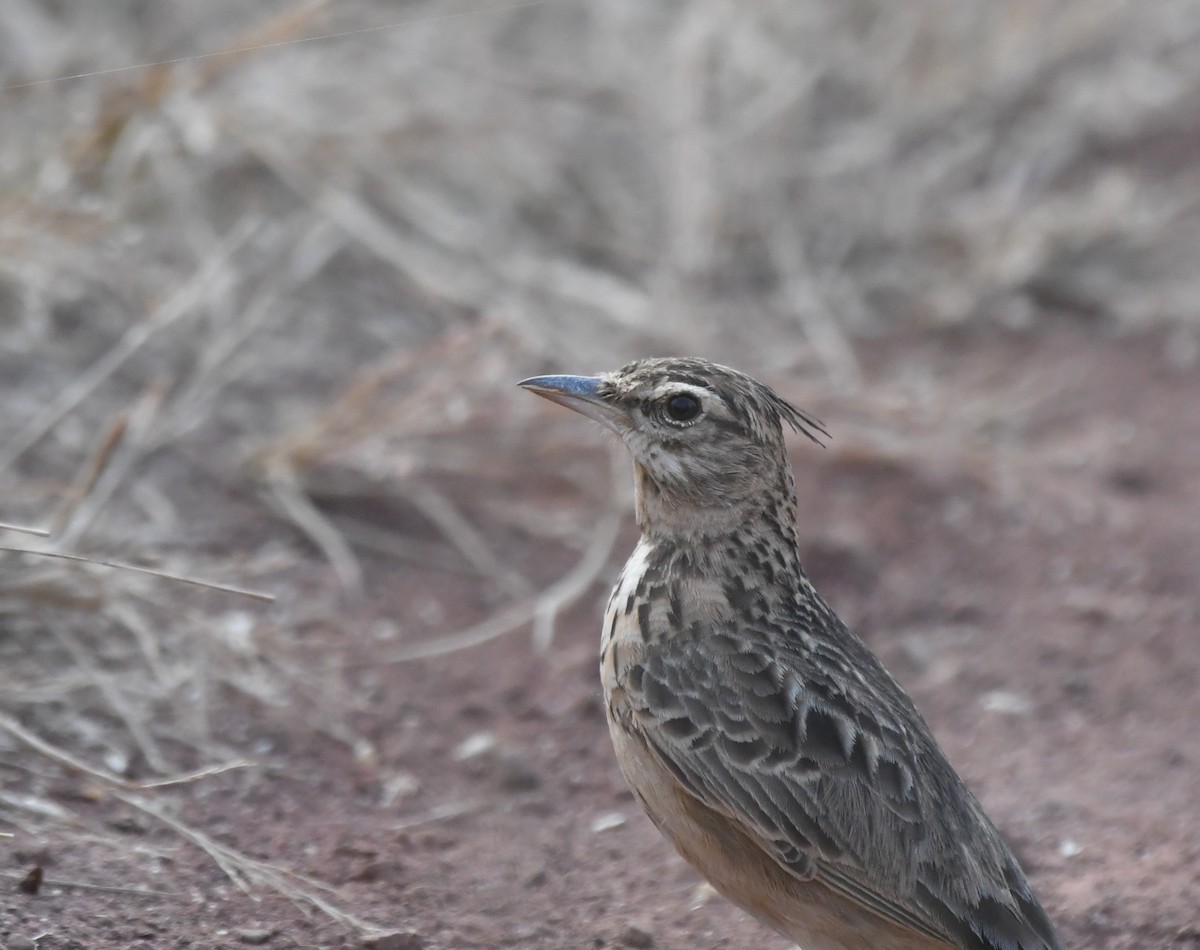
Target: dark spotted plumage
[(762, 737)]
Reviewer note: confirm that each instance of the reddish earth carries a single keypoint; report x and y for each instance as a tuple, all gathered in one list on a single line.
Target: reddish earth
[(1012, 521)]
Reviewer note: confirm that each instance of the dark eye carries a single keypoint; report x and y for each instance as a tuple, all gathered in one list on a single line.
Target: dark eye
[(682, 407)]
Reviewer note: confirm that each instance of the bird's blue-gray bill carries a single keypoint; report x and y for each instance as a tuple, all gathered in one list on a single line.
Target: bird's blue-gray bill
[(581, 387)]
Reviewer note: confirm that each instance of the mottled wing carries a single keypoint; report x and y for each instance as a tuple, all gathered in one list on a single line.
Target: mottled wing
[(825, 761)]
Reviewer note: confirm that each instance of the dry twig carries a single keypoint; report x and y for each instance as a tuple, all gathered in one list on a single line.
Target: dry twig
[(541, 609), (240, 868), (292, 501), (202, 282), (152, 572)]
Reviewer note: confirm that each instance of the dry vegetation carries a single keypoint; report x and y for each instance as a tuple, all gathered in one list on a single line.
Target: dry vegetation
[(254, 305)]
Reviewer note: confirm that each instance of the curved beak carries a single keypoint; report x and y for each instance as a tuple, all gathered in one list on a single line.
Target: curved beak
[(580, 393)]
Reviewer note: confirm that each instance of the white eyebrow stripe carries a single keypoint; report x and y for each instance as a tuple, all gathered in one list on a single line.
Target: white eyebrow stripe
[(675, 389)]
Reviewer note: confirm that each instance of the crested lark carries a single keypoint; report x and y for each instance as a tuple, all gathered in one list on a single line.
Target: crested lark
[(762, 737)]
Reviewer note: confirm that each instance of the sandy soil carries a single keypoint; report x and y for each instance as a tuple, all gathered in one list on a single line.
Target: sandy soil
[(1011, 520)]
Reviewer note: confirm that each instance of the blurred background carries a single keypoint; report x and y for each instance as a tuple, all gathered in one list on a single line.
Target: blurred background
[(268, 276)]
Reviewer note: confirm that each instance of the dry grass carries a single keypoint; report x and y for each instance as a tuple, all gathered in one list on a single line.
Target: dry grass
[(312, 264)]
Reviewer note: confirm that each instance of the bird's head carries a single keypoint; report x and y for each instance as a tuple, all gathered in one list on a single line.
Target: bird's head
[(707, 441)]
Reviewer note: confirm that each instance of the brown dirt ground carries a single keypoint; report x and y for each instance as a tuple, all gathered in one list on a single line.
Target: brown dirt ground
[(1012, 520)]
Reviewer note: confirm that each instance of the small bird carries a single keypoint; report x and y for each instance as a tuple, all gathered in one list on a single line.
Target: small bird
[(763, 738)]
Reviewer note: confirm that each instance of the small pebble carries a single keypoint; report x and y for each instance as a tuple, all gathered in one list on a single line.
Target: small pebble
[(1001, 701), (474, 745), (396, 940), (519, 775), (537, 878), (607, 821), (255, 936), (703, 893), (636, 937)]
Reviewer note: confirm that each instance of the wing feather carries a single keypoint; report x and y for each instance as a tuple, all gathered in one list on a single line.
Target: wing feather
[(855, 799)]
